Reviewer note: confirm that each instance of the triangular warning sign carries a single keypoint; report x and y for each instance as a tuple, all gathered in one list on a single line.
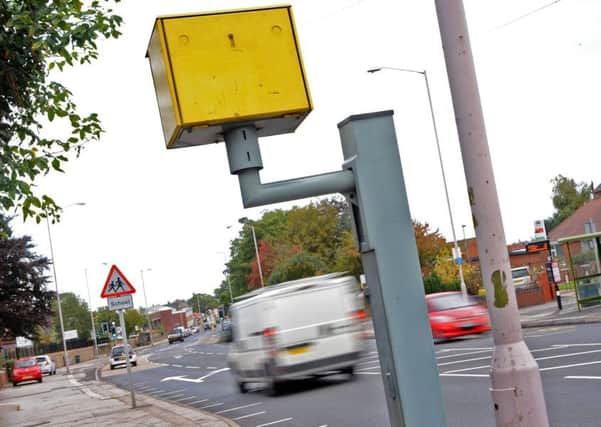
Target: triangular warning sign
[(116, 284)]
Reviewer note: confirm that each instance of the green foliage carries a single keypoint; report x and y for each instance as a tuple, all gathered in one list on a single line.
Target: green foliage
[(567, 197), (75, 315), (433, 284), (24, 299), (429, 245), (37, 36), (202, 302), (302, 264), (132, 319)]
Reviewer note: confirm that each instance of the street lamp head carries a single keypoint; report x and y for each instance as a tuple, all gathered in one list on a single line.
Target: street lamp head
[(374, 70)]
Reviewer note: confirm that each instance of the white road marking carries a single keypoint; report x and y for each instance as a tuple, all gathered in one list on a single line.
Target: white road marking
[(238, 407), (183, 399), (283, 420), (581, 377), (198, 401), (463, 354), (179, 356), (197, 380), (166, 393), (177, 366), (211, 367), (466, 349), (569, 366), (454, 362), (568, 355), (211, 405), (248, 416), (577, 345), (368, 373), (466, 369), (192, 367), (464, 375)]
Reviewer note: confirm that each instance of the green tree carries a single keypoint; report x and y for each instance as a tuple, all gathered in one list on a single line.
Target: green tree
[(75, 315), (429, 245), (347, 255), (303, 264), (25, 301), (567, 196), (36, 37), (201, 302), (132, 319)]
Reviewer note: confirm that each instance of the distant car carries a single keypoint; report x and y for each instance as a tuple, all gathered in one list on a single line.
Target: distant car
[(175, 335), (454, 315), (47, 365), (118, 356), (187, 332), (26, 370)]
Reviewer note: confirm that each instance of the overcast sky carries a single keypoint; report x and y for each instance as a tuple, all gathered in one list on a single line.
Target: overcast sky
[(168, 211)]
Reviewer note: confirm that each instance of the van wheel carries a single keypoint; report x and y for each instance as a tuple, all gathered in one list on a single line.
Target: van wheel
[(242, 387), (273, 387), (40, 380)]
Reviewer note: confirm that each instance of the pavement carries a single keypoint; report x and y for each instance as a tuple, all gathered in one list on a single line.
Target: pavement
[(548, 314), (82, 398)]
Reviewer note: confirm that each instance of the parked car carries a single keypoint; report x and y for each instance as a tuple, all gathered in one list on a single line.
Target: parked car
[(176, 334), (26, 370), (521, 276), (301, 328), (47, 365), (453, 315), (119, 353)]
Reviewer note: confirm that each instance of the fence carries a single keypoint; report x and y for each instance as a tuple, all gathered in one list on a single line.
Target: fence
[(38, 348)]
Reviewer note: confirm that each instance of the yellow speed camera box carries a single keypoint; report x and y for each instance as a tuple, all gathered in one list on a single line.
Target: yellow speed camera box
[(219, 70)]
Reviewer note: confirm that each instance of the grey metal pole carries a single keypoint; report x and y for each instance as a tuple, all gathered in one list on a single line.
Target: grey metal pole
[(517, 390), (129, 377), (58, 300), (146, 307), (446, 190), (258, 259), (92, 316), (444, 179)]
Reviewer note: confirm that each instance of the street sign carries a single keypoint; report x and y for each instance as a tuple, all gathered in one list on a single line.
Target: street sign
[(122, 302), (71, 335), (539, 246), (116, 284), (540, 233)]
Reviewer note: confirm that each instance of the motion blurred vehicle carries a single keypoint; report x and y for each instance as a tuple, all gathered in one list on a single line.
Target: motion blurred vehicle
[(454, 315), (119, 354), (304, 327), (176, 334), (46, 364), (26, 370)]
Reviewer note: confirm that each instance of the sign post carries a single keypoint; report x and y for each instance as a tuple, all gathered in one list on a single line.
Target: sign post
[(118, 291)]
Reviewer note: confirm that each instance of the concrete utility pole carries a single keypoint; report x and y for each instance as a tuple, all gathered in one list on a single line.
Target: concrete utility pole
[(517, 390)]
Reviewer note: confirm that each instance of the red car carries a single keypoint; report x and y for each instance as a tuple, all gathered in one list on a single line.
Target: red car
[(453, 315), (26, 370)]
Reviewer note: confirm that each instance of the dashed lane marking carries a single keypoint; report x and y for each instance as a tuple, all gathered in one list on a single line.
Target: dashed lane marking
[(238, 407), (212, 405), (248, 416), (581, 377), (198, 401), (283, 420)]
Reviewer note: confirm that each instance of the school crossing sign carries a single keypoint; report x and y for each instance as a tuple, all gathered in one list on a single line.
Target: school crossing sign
[(118, 290)]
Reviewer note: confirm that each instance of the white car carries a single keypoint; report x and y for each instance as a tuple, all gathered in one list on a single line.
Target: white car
[(118, 356), (46, 364)]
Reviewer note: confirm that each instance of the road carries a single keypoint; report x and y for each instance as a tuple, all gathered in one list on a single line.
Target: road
[(196, 375)]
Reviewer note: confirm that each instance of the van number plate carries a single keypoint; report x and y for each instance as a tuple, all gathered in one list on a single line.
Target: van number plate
[(299, 350)]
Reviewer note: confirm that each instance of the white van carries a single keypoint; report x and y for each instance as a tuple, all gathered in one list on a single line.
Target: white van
[(294, 329), (521, 276)]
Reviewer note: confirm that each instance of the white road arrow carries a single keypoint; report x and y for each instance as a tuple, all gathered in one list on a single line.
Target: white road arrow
[(191, 380)]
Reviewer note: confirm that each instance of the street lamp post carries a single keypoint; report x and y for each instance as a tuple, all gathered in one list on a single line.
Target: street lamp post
[(467, 257), (146, 305), (257, 255), (227, 276), (92, 316), (58, 295), (457, 251)]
